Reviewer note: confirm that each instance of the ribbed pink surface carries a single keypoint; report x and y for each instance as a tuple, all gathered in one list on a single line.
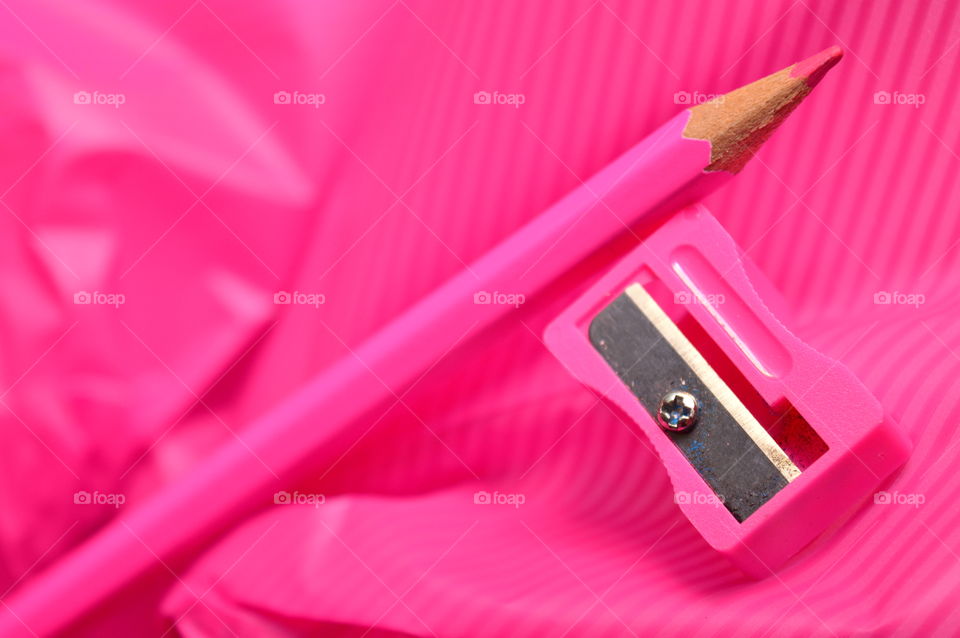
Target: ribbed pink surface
[(851, 198)]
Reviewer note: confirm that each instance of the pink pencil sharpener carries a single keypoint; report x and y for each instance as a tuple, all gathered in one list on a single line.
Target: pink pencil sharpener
[(767, 442)]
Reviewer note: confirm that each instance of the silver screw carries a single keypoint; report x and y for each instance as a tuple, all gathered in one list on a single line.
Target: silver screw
[(678, 411)]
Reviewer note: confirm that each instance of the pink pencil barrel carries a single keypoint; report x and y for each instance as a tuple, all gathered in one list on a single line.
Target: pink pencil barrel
[(321, 419)]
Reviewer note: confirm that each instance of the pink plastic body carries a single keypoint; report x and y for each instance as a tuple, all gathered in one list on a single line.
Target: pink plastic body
[(692, 255)]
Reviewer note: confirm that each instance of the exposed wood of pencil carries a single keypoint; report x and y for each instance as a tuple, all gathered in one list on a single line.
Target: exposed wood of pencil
[(738, 123)]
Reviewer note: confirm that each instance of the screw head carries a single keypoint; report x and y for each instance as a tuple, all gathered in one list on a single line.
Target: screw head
[(678, 411)]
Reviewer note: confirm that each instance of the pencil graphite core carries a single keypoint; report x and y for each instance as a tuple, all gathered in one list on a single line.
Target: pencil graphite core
[(738, 123)]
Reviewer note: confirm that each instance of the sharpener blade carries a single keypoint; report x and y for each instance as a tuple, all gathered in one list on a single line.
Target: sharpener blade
[(728, 447)]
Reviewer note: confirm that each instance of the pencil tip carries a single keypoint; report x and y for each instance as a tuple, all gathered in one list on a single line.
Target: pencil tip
[(816, 66), (739, 122)]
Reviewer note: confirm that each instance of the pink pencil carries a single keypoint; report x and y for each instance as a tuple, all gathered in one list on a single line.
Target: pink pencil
[(693, 153)]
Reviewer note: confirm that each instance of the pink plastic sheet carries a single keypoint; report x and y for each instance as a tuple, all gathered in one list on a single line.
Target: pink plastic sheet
[(177, 165)]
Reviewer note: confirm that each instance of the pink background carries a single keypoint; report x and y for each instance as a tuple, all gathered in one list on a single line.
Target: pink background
[(199, 197)]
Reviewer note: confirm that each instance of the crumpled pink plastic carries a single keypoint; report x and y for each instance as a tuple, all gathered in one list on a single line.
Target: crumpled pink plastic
[(203, 195)]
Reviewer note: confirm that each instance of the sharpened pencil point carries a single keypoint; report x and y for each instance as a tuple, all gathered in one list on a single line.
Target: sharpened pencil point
[(816, 66), (738, 123)]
